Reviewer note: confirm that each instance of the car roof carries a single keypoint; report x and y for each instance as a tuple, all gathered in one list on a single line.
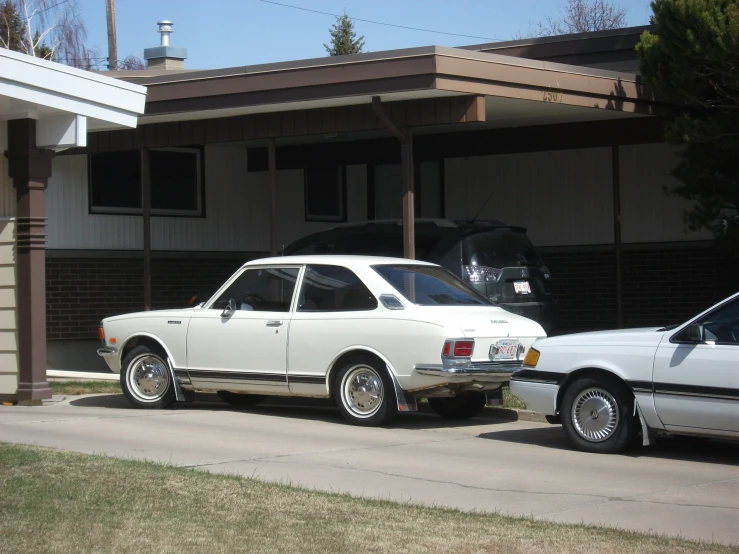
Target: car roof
[(335, 259)]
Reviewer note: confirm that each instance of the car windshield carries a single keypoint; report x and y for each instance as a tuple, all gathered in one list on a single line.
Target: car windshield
[(430, 286)]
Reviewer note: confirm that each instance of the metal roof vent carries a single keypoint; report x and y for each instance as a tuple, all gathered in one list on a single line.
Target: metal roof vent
[(165, 56)]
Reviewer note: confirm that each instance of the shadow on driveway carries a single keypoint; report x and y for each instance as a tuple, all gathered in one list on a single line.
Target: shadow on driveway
[(312, 409), (694, 449)]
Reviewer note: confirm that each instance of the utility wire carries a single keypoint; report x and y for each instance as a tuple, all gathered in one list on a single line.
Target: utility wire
[(381, 23)]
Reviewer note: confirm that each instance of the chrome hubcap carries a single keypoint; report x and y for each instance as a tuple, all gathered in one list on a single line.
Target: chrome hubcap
[(362, 391), (148, 377), (595, 414)]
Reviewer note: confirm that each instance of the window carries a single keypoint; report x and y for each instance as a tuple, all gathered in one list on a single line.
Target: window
[(261, 290), (176, 182), (721, 326), (328, 288), (430, 286), (324, 194)]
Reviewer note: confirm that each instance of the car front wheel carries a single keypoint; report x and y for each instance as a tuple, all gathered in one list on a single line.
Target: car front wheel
[(463, 406), (597, 415), (146, 380), (365, 393)]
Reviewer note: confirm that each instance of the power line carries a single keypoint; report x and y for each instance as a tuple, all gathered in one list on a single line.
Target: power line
[(380, 22)]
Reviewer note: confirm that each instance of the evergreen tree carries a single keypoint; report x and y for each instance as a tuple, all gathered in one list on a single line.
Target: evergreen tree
[(11, 26), (694, 61), (344, 38)]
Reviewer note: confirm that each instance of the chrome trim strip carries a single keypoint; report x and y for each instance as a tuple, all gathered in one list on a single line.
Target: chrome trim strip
[(107, 352), (473, 369), (696, 394)]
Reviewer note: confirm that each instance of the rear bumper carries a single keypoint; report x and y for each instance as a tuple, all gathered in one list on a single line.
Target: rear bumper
[(497, 372)]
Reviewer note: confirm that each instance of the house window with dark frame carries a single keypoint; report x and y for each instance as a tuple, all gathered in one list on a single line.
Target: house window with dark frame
[(176, 182), (325, 193)]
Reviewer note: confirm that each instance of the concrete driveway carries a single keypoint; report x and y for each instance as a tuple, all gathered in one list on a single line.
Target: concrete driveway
[(679, 487)]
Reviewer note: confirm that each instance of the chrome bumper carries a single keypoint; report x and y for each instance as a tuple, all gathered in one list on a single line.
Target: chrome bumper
[(480, 369), (107, 352)]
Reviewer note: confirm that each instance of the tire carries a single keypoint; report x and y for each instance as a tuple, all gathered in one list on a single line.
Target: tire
[(365, 393), (464, 406), (614, 427), (146, 379), (241, 400)]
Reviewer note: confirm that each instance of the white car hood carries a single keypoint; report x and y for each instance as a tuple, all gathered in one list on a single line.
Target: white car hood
[(648, 336), (477, 321)]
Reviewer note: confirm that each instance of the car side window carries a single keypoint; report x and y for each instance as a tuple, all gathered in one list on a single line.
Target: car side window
[(261, 290), (328, 288), (720, 326)]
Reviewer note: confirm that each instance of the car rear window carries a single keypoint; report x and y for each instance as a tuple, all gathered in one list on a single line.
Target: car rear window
[(430, 286), (500, 248)]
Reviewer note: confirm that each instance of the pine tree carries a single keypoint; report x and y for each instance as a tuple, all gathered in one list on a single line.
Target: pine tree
[(344, 38), (11, 26), (694, 61)]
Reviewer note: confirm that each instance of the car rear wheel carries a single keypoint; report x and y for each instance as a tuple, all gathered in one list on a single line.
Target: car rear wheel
[(462, 406), (146, 380), (598, 415), (241, 400), (365, 393)]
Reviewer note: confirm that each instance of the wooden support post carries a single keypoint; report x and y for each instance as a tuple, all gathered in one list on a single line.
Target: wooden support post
[(146, 197), (112, 40), (615, 165), (272, 162)]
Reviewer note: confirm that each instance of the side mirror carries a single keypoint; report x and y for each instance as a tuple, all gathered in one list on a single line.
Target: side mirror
[(229, 310), (694, 333)]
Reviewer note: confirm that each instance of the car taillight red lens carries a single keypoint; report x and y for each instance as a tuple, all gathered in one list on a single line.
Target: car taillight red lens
[(463, 348), (447, 350)]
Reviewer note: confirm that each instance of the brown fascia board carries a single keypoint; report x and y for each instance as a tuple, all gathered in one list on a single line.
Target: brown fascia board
[(566, 45), (436, 67)]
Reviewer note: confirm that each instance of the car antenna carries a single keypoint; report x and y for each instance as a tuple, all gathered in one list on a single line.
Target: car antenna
[(483, 206)]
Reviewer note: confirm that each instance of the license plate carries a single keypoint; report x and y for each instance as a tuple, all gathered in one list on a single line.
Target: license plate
[(505, 349), (522, 287)]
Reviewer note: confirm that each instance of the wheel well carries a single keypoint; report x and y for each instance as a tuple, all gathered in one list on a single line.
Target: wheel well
[(153, 344), (347, 358), (588, 372)]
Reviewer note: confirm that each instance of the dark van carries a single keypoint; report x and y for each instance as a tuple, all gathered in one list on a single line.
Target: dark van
[(496, 259)]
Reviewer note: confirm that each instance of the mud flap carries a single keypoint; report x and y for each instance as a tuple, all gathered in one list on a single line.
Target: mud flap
[(647, 434), (179, 395), (405, 403)]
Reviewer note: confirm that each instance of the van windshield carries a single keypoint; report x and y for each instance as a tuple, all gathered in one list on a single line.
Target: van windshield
[(430, 286), (500, 248)]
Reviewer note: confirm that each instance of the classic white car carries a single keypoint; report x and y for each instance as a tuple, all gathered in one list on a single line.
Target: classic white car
[(605, 386), (375, 333)]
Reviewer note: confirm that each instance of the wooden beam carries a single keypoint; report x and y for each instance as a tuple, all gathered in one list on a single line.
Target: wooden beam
[(146, 199), (272, 162)]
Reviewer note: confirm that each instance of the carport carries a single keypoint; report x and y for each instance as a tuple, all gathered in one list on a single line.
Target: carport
[(45, 107)]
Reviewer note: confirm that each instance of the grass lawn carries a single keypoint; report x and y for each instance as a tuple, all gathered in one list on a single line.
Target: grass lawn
[(84, 387), (56, 501)]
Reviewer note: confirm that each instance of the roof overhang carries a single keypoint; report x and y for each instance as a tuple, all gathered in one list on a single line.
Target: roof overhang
[(416, 73), (65, 102)]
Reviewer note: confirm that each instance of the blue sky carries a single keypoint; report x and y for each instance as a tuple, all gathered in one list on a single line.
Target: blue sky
[(226, 33)]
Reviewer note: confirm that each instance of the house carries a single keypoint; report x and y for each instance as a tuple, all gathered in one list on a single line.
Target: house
[(556, 134)]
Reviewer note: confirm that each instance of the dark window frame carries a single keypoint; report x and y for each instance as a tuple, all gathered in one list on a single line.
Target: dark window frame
[(679, 337), (138, 212), (341, 186)]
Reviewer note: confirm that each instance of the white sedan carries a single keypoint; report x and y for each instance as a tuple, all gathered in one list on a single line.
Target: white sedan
[(375, 333), (606, 386)]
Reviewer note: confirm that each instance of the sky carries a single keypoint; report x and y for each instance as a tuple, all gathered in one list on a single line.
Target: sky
[(231, 33)]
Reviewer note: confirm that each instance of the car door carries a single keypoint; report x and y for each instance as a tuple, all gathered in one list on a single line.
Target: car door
[(696, 380), (239, 340), (334, 311)]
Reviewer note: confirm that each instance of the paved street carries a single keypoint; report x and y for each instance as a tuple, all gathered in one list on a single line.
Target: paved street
[(680, 487)]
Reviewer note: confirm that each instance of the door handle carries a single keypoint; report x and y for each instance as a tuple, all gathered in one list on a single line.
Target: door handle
[(274, 323)]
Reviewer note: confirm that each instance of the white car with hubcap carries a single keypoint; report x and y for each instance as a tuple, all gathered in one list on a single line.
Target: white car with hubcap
[(375, 333), (606, 386)]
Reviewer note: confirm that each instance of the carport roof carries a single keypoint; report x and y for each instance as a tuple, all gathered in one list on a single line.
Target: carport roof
[(407, 74)]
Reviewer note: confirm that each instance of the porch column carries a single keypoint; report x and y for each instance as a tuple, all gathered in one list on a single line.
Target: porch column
[(406, 167), (146, 197), (272, 163), (616, 176), (30, 169)]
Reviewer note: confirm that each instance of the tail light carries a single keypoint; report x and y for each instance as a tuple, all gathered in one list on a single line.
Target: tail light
[(101, 333), (480, 273), (458, 348)]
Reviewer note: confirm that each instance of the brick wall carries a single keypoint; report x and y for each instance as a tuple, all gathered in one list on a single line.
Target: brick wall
[(661, 285), (82, 291)]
